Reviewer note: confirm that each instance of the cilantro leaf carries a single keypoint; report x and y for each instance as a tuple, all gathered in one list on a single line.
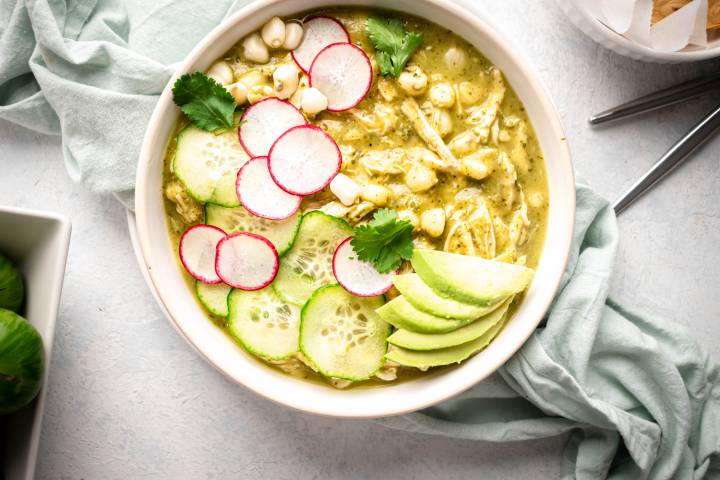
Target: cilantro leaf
[(204, 101), (394, 45), (384, 241)]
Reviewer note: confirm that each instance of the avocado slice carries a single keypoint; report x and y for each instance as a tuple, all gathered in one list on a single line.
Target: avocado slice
[(424, 298), (444, 356), (434, 341), (470, 279), (401, 314)]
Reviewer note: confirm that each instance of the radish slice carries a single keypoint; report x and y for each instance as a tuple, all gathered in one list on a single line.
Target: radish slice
[(246, 261), (198, 246), (319, 32), (260, 195), (264, 122), (357, 276), (304, 160), (343, 73)]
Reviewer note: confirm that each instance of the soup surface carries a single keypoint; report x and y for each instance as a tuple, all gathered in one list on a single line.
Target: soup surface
[(446, 145)]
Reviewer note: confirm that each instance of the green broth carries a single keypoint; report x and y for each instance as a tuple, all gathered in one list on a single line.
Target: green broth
[(516, 139)]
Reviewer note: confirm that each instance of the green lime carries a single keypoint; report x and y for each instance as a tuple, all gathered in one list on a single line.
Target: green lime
[(12, 291), (22, 362)]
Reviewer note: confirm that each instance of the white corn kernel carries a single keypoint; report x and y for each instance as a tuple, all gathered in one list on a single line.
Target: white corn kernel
[(474, 168), (413, 81), (469, 93), (254, 49), (455, 58), (387, 89), (463, 144), (345, 189), (221, 73), (258, 92), (410, 216), (375, 194), (273, 33), (253, 77), (433, 221), (293, 35), (536, 199), (442, 95), (239, 92), (313, 101), (420, 178), (285, 80), (441, 120)]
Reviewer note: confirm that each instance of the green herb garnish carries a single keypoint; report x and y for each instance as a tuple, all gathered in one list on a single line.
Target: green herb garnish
[(393, 43), (385, 241), (204, 101)]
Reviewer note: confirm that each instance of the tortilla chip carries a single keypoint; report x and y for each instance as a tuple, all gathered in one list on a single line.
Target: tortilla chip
[(713, 19), (664, 8)]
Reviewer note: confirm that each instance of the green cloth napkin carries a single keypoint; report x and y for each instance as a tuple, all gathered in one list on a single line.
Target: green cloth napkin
[(638, 395)]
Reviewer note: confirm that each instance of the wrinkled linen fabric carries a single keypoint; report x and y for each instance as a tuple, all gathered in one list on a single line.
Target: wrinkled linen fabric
[(73, 68), (637, 394)]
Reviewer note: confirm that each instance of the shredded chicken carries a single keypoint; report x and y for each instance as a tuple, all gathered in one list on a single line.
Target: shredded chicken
[(482, 117), (430, 136), (190, 210)]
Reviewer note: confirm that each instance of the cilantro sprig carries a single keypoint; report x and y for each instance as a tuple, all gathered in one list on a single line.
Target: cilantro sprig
[(205, 102), (393, 43), (385, 241)]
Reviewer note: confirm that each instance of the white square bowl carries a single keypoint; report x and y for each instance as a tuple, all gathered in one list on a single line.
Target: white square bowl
[(38, 244)]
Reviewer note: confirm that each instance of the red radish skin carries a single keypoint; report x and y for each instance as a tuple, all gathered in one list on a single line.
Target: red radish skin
[(343, 73), (357, 276), (319, 31), (197, 250), (246, 261), (263, 122), (260, 195), (304, 160)]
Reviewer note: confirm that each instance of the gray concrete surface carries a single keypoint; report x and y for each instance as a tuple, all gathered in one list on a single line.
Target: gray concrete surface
[(129, 399)]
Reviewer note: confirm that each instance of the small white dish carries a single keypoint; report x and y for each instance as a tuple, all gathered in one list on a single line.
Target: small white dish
[(611, 40), (159, 259), (38, 243)]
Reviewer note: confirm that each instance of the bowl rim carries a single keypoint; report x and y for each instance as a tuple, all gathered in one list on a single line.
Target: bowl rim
[(551, 281), (612, 40)]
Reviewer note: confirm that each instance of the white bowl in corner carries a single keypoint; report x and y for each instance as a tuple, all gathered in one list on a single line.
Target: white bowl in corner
[(38, 244), (159, 259), (611, 40)]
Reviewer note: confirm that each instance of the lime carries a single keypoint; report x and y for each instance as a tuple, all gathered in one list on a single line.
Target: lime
[(11, 285), (22, 362)]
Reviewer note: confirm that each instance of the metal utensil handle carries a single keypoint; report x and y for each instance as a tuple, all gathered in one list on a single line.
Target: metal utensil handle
[(678, 153), (662, 98)]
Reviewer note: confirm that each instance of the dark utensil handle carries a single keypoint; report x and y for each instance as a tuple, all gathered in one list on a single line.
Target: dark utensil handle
[(662, 98), (677, 154)]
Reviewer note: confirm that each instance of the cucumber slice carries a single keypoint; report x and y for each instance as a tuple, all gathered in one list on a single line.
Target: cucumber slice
[(232, 220), (308, 265), (424, 298), (444, 356), (213, 297), (424, 341), (207, 165), (401, 314), (264, 324), (341, 335), (470, 279)]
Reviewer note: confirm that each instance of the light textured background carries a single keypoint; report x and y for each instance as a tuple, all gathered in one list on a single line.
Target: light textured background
[(129, 399)]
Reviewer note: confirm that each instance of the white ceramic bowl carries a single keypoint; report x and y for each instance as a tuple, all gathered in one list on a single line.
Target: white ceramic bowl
[(611, 40), (38, 242), (183, 311)]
